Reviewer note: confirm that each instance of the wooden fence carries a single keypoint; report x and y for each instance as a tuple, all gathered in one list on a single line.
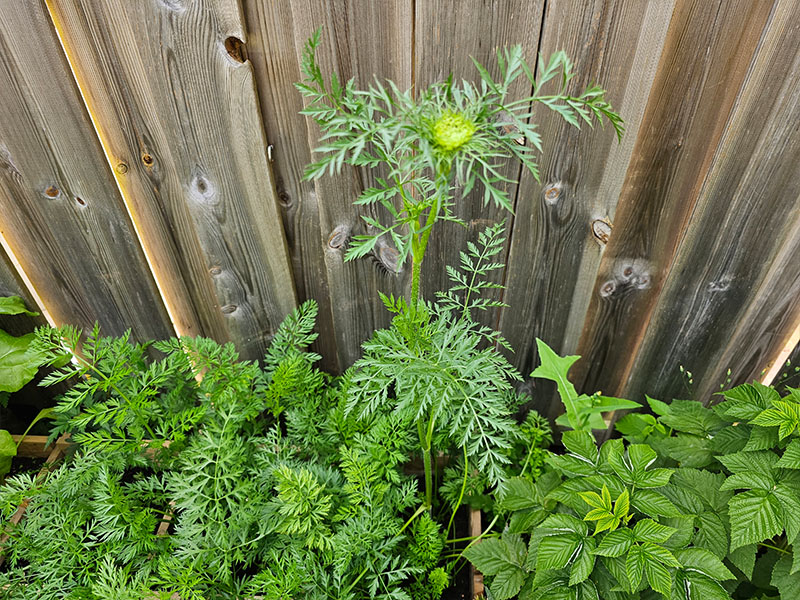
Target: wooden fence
[(151, 155)]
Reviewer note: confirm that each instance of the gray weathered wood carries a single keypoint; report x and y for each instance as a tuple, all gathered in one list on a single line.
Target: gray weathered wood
[(732, 295), (319, 216), (554, 252), (689, 105), (62, 215), (175, 107), (12, 285)]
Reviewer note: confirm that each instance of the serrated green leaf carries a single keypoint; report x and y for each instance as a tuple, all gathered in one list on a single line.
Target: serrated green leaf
[(595, 500), (641, 456), (634, 565), (791, 456), (582, 444), (690, 416), (762, 438), (754, 517), (659, 553), (622, 504), (712, 534), (788, 585), (571, 465), (658, 577), (518, 494), (690, 451), (556, 551), (744, 558), (563, 522), (700, 587), (762, 461), (790, 503), (654, 478), (704, 561), (615, 543), (583, 564), (507, 583), (648, 530), (654, 504), (748, 480)]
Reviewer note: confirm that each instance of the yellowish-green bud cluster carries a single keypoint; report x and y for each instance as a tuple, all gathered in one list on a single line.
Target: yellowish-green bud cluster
[(452, 130)]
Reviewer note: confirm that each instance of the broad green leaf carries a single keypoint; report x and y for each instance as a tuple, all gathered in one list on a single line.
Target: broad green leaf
[(657, 406), (684, 533), (8, 450), (754, 516), (622, 504), (795, 556), (791, 456), (518, 494), (595, 500), (507, 583), (17, 364), (555, 368), (762, 438), (563, 522), (653, 504), (634, 565), (571, 465), (658, 577), (495, 555), (581, 444), (744, 558), (690, 416), (655, 478), (762, 461), (704, 561), (14, 305), (524, 521), (648, 530), (712, 534), (659, 553), (788, 585), (555, 551), (705, 485), (747, 480), (583, 564), (790, 502), (615, 543), (696, 586), (689, 450), (641, 456), (749, 400)]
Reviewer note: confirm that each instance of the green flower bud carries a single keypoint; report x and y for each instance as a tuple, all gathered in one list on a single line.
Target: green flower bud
[(452, 130)]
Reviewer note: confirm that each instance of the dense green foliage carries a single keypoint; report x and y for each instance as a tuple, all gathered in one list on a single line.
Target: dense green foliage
[(695, 503)]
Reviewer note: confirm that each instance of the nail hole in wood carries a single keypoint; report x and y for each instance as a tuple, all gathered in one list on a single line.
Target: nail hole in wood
[(338, 237), (552, 193), (80, 201), (601, 229), (235, 48), (608, 288), (122, 168), (147, 160)]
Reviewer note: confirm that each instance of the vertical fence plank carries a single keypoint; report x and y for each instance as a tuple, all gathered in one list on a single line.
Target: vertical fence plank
[(360, 38), (174, 102), (447, 34), (62, 215), (691, 99), (732, 296), (555, 248)]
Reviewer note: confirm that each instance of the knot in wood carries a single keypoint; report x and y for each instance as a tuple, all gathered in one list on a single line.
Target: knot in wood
[(552, 193), (147, 160), (228, 309), (608, 288), (122, 168), (641, 281), (601, 229), (338, 237), (215, 270), (51, 192), (235, 49)]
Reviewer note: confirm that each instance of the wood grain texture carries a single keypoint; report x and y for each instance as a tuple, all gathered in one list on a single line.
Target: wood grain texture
[(62, 215), (319, 217), (732, 296), (447, 34), (175, 107), (554, 253), (706, 56)]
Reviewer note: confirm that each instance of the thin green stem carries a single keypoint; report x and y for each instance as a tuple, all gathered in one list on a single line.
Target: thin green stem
[(461, 495)]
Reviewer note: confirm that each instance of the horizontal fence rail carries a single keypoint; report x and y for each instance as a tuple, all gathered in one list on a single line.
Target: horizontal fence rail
[(152, 157)]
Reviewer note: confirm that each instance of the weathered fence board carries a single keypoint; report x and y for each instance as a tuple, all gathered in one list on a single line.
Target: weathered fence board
[(11, 285), (691, 98), (176, 109), (556, 237), (319, 217), (62, 215), (447, 34), (720, 307), (677, 246)]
